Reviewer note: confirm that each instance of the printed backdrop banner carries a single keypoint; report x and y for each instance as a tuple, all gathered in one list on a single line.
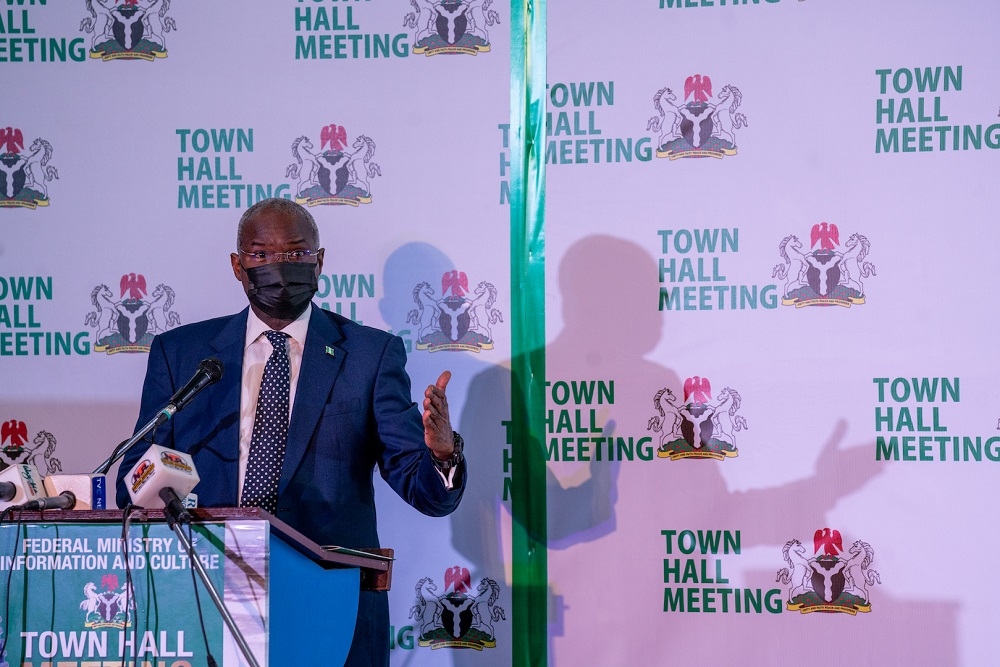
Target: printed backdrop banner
[(770, 424), (145, 615), (769, 360)]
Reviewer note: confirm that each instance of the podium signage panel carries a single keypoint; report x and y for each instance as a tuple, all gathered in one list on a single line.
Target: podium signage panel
[(69, 589)]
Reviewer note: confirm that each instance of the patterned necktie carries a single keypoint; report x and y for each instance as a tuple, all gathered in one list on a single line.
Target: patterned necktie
[(270, 430)]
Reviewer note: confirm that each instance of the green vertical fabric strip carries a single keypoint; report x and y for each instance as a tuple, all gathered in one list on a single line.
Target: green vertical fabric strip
[(527, 276)]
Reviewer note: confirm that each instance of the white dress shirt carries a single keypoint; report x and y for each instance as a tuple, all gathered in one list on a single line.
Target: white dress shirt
[(256, 351)]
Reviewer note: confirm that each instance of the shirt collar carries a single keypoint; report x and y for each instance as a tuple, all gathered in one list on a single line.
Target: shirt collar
[(296, 330)]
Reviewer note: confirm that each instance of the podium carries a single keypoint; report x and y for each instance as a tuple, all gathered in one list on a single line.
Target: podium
[(294, 602)]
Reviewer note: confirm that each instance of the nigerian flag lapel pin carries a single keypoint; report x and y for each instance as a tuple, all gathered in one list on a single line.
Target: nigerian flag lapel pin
[(330, 351)]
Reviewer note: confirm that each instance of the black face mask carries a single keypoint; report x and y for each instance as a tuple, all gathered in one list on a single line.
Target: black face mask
[(282, 290)]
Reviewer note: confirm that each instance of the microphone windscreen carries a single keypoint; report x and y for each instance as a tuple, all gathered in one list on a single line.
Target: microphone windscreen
[(90, 490), (159, 468), (27, 484), (213, 367)]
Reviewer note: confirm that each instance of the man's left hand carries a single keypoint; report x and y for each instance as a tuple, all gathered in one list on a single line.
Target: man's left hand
[(438, 434)]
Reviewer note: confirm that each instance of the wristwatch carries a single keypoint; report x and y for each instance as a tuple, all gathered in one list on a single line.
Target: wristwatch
[(455, 459)]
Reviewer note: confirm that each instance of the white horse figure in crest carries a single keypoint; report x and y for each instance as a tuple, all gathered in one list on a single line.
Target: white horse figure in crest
[(158, 23), (49, 464), (480, 15), (427, 312), (853, 263), (92, 604), (799, 572), (669, 421), (857, 576), (482, 315), (669, 126), (725, 120), (426, 598), (360, 166), (162, 302), (484, 613), (37, 170), (124, 600), (98, 24), (102, 298), (727, 422), (412, 20), (303, 170), (794, 270)]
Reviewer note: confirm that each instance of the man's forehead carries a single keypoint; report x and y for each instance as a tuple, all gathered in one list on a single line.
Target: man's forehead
[(276, 225)]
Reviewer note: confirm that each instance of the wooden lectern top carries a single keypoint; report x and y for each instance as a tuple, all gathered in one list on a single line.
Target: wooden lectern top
[(375, 564)]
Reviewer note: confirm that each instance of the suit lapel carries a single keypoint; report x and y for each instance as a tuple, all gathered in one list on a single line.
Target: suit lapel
[(320, 366), (229, 346)]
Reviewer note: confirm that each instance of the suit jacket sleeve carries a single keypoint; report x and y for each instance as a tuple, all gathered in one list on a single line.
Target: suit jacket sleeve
[(404, 461)]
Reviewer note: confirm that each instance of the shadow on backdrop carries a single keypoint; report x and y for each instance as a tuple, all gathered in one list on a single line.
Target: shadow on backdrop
[(405, 270), (603, 513)]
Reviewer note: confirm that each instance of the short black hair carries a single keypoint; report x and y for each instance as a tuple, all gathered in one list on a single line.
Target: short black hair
[(278, 205)]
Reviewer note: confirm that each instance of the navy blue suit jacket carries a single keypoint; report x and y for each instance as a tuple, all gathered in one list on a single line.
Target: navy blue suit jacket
[(352, 412)]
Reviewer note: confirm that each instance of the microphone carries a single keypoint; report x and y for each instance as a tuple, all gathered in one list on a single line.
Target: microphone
[(160, 468), (64, 501), (19, 483), (209, 372), (173, 507), (90, 490)]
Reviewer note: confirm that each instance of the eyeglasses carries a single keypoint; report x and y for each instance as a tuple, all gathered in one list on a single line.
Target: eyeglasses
[(265, 257)]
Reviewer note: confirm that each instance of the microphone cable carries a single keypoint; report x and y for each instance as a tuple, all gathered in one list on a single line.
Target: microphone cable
[(10, 575), (127, 515), (197, 602), (151, 439), (130, 602)]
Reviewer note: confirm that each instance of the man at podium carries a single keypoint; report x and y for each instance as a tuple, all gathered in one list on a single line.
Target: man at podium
[(309, 404)]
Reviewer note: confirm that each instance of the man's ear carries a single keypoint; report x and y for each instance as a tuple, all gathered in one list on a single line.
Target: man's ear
[(238, 272)]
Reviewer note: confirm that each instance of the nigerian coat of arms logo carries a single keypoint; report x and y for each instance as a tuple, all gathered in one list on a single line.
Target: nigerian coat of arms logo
[(129, 29), (700, 427), (458, 618), (457, 319), (15, 448), (129, 323), (24, 175), (827, 275), (831, 580), (336, 174), (702, 125), (451, 27), (110, 607)]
